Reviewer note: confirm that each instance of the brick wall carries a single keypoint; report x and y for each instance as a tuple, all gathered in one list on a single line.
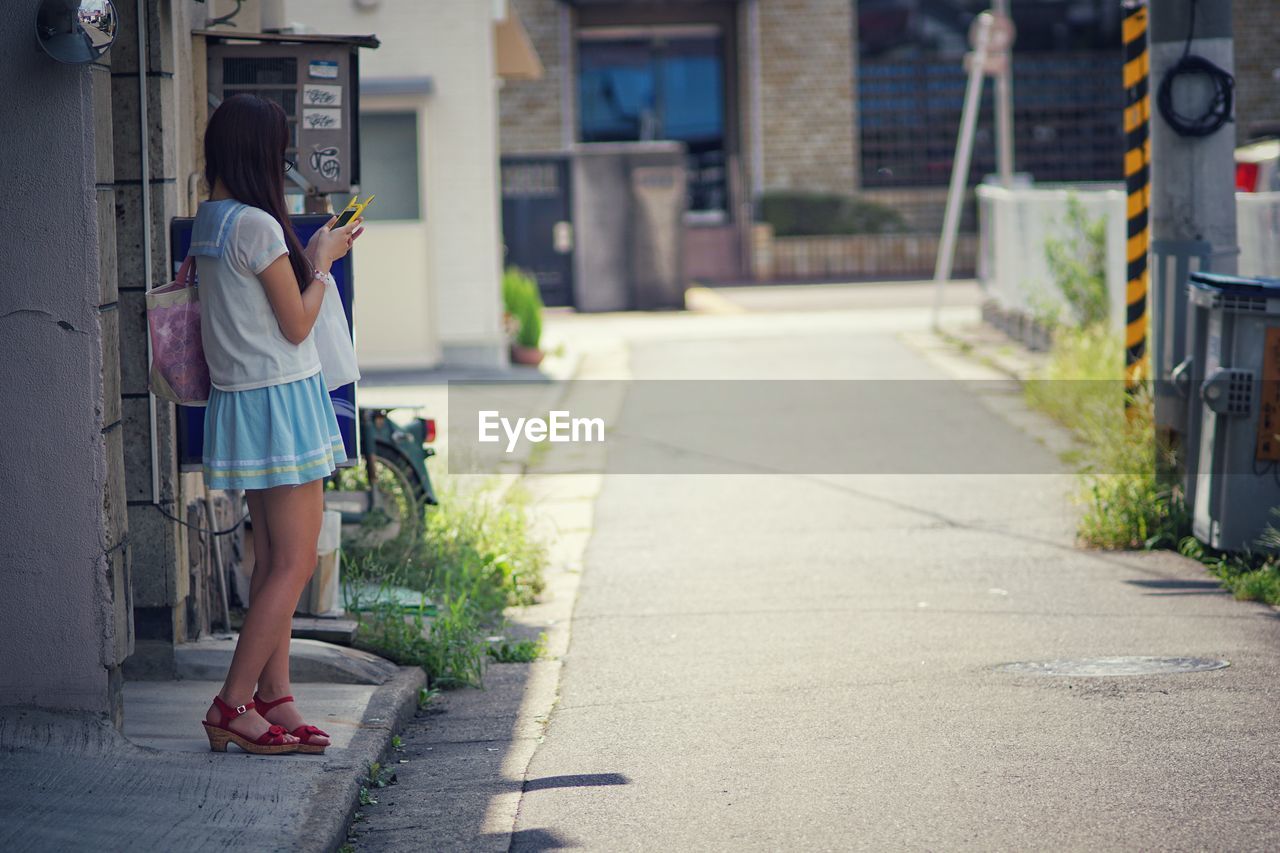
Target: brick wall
[(807, 101), (1257, 34), (854, 257), (530, 110)]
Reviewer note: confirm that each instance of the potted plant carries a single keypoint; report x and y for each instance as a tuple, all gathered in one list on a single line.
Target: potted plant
[(523, 304)]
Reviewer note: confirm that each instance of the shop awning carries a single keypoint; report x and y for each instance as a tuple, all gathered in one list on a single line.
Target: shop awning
[(516, 58)]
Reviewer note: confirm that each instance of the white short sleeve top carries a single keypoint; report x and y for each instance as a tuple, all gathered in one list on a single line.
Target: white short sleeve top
[(232, 243)]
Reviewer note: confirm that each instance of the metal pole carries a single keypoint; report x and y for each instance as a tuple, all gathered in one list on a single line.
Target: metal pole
[(960, 168), (219, 567), (1004, 106), (1137, 158), (144, 188)]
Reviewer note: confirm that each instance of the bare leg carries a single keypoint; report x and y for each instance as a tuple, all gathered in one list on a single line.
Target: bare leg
[(276, 672), (292, 521), (273, 682)]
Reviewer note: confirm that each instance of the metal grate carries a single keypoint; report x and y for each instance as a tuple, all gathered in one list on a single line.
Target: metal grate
[(273, 78), (1067, 109), (255, 71), (1244, 304), (529, 180), (1239, 393)]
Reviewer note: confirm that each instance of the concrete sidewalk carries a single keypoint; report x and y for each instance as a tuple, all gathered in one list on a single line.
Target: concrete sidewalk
[(68, 783)]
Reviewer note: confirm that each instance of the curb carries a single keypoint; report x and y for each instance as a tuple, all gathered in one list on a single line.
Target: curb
[(334, 798), (982, 345), (703, 300)]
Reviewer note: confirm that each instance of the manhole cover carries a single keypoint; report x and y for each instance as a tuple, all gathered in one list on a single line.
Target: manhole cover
[(1107, 667)]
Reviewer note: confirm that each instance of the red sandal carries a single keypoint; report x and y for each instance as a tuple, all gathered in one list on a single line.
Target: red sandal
[(270, 742), (304, 733)]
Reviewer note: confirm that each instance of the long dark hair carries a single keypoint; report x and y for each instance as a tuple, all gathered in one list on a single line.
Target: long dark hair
[(244, 147)]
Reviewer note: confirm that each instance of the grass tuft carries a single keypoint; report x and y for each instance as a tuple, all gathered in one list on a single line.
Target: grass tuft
[(1082, 387), (1248, 576), (474, 558), (518, 651)]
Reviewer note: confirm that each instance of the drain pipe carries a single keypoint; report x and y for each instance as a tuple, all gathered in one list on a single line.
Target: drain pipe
[(757, 101), (144, 149)]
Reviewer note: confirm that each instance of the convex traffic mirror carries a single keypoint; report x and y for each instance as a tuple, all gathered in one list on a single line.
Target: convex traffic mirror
[(76, 31)]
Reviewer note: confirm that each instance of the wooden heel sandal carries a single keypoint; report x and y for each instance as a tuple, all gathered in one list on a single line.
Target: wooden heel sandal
[(271, 742), (304, 733)]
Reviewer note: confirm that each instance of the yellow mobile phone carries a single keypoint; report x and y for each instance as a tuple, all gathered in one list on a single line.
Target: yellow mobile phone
[(354, 208)]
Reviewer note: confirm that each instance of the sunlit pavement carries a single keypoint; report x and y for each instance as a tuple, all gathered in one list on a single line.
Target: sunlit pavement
[(809, 660)]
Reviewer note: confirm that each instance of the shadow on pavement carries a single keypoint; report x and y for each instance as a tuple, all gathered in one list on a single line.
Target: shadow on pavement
[(1179, 587), (580, 780), (532, 840)]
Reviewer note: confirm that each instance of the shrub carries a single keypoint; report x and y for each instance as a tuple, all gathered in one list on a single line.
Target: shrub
[(800, 214), (1078, 264), (523, 301)]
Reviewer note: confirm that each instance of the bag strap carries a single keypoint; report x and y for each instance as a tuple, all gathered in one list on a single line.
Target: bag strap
[(185, 277), (186, 272)]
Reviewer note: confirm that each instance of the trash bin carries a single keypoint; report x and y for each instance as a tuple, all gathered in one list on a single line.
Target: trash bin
[(1234, 332)]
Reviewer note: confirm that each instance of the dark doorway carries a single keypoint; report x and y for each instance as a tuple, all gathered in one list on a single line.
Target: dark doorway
[(537, 223)]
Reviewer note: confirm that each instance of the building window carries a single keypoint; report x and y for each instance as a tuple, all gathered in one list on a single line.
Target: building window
[(389, 164), (659, 83), (1066, 88)]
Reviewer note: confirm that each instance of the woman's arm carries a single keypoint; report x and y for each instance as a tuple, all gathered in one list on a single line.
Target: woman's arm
[(295, 310)]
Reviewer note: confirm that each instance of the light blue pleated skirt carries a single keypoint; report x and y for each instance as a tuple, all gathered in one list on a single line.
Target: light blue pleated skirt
[(280, 435)]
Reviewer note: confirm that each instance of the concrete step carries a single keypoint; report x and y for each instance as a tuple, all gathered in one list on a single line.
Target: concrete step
[(326, 629), (309, 660)]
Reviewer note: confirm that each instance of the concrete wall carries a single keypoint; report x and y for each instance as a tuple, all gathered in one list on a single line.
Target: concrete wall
[(452, 44), (158, 545), (64, 617), (1258, 225)]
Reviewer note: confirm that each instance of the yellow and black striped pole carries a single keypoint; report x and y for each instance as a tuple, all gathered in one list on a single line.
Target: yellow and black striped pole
[(1137, 179)]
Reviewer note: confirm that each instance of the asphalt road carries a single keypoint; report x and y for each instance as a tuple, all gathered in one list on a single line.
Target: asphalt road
[(807, 660)]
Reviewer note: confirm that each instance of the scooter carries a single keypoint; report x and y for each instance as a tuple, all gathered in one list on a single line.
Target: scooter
[(392, 483)]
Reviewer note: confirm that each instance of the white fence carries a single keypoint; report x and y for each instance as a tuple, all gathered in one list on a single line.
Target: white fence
[(1258, 233), (1014, 226)]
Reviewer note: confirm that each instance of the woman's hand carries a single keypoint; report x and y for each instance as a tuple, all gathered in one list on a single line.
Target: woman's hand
[(330, 244)]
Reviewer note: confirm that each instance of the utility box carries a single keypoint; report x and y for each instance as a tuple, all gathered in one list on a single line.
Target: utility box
[(629, 200), (1173, 262), (316, 80), (1237, 399), (1185, 380)]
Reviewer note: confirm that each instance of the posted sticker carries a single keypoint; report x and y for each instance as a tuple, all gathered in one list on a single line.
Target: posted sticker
[(315, 95), (324, 69), (322, 119)]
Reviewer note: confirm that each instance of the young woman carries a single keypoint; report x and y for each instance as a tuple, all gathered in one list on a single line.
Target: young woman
[(269, 427)]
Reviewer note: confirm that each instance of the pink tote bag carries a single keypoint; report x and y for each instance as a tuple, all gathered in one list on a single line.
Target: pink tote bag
[(179, 372)]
